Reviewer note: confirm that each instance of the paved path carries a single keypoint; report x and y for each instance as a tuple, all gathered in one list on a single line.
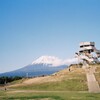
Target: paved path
[(93, 85)]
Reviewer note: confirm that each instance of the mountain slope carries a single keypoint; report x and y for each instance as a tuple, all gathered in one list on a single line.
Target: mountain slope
[(34, 70), (44, 65)]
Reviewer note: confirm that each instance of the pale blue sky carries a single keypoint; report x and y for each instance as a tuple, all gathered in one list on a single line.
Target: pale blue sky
[(32, 28)]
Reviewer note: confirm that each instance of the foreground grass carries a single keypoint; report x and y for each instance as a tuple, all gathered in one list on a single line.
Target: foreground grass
[(53, 95)]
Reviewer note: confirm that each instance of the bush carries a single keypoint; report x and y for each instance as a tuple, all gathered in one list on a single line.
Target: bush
[(5, 79)]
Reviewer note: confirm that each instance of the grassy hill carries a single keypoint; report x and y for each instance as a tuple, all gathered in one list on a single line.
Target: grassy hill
[(63, 85), (65, 80)]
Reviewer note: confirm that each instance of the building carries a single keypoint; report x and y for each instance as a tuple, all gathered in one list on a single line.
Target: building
[(88, 52)]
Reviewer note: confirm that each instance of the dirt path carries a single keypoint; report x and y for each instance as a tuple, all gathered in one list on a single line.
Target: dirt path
[(93, 85)]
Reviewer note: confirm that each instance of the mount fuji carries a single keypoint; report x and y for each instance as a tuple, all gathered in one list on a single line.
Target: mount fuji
[(44, 65)]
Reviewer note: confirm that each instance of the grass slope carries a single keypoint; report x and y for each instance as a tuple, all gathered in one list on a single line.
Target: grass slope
[(75, 80)]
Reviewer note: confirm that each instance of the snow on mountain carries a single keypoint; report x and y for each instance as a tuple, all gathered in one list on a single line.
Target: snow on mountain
[(54, 61)]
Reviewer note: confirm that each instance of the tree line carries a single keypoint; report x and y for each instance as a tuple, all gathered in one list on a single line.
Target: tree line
[(5, 79)]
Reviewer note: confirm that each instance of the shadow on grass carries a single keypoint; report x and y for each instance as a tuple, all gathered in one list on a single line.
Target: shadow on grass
[(35, 98)]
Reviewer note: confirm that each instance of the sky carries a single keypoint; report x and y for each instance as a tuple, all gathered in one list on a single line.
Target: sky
[(33, 28)]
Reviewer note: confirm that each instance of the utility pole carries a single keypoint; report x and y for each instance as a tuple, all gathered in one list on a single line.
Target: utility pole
[(26, 75)]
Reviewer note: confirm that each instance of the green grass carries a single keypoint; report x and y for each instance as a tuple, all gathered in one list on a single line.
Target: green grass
[(69, 85), (50, 95), (17, 81), (2, 93), (72, 81)]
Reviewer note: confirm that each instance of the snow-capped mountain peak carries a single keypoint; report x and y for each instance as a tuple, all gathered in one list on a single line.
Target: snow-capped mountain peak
[(52, 60)]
